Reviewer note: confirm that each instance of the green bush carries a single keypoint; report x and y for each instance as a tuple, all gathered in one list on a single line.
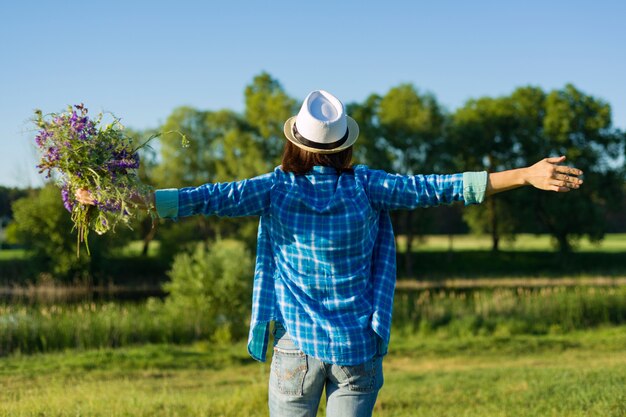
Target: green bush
[(42, 224), (212, 287)]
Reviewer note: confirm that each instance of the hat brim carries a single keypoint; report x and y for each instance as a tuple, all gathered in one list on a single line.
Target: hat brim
[(353, 134)]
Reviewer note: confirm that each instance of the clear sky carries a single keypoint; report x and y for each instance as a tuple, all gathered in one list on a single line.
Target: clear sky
[(141, 59)]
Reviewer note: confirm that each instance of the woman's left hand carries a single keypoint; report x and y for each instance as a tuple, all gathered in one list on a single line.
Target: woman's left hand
[(84, 196), (548, 175)]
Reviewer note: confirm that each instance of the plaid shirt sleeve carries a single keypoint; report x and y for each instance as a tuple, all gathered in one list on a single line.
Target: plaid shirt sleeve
[(249, 197), (393, 191)]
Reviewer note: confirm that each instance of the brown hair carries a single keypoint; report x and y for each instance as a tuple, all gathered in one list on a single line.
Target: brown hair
[(299, 161)]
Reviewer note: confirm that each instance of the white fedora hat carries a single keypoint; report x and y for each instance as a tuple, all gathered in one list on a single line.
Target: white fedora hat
[(322, 125)]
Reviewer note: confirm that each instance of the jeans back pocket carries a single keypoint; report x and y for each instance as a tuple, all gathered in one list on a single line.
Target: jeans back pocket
[(289, 367), (365, 377)]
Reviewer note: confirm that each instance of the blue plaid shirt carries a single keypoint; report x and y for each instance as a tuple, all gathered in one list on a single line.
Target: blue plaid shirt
[(326, 258)]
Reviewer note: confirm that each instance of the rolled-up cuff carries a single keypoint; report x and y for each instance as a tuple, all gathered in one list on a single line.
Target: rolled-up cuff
[(166, 202), (474, 187)]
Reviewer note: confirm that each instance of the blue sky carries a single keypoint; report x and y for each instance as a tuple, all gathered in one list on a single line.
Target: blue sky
[(142, 59)]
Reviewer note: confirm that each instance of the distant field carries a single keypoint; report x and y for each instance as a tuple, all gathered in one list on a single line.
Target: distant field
[(529, 256), (574, 375), (435, 243), (134, 249), (523, 242), (7, 254)]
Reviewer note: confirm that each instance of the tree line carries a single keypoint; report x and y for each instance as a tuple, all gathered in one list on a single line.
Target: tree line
[(406, 130)]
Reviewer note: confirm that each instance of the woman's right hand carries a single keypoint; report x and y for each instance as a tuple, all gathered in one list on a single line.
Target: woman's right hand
[(83, 196)]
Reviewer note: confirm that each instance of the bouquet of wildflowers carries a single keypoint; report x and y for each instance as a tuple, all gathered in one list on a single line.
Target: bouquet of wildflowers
[(81, 153)]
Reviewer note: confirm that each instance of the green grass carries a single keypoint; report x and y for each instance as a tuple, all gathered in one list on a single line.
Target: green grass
[(9, 254), (134, 248), (615, 242), (574, 375)]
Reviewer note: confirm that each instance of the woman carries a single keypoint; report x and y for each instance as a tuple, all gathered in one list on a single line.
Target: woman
[(325, 267)]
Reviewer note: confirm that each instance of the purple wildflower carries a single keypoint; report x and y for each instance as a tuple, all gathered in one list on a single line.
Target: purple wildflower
[(109, 205), (53, 154), (42, 137), (122, 164), (68, 202), (123, 161)]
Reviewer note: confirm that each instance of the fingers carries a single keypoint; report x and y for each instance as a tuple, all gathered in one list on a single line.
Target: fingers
[(568, 179), (565, 178), (569, 184), (548, 175), (556, 188), (568, 170), (555, 159)]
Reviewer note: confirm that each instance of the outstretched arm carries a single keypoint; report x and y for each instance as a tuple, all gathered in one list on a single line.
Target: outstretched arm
[(544, 175), (232, 199)]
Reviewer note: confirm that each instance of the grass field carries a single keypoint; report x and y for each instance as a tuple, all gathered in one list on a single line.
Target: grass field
[(615, 242), (611, 243), (8, 254), (511, 349), (578, 374)]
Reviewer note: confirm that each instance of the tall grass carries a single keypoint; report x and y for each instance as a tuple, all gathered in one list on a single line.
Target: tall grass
[(30, 329), (42, 328), (509, 311)]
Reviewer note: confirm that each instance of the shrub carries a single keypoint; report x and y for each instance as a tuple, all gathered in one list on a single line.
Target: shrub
[(42, 224), (212, 286)]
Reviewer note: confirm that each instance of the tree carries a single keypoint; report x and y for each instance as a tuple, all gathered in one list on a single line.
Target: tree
[(7, 197), (223, 147), (267, 109), (529, 125), (189, 167), (412, 125), (483, 132), (372, 148), (185, 167), (579, 126)]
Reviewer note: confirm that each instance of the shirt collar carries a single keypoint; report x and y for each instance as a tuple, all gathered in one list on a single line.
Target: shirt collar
[(323, 169)]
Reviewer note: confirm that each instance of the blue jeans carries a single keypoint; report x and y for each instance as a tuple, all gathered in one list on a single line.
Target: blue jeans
[(297, 381)]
